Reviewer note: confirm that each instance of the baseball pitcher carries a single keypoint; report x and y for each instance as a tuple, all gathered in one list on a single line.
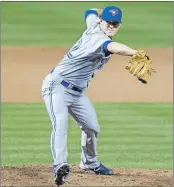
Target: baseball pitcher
[(64, 88)]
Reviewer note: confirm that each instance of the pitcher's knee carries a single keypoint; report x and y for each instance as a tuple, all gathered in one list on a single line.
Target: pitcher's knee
[(96, 129)]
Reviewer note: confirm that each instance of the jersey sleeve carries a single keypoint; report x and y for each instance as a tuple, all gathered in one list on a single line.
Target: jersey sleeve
[(91, 17), (105, 49)]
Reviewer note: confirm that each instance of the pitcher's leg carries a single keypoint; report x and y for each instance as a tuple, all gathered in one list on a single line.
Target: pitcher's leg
[(56, 105), (84, 114), (89, 156), (58, 113)]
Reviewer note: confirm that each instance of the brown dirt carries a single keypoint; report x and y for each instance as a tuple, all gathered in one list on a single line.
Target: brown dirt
[(41, 175), (23, 70)]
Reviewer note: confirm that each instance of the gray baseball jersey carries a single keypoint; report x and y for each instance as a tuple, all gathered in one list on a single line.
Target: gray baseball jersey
[(86, 57)]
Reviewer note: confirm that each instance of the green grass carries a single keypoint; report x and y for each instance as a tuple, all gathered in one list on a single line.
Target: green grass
[(145, 24), (135, 135)]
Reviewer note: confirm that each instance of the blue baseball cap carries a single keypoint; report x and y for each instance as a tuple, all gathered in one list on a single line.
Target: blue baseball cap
[(112, 13)]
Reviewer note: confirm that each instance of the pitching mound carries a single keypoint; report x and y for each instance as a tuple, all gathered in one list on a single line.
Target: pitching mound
[(41, 175)]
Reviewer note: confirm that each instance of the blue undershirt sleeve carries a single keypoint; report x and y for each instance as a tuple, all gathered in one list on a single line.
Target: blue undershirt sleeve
[(90, 12), (105, 47)]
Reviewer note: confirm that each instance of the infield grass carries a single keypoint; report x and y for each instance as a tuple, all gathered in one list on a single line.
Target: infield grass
[(135, 135), (145, 24)]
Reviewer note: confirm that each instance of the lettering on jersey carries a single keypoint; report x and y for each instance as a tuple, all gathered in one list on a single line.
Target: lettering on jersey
[(114, 12), (89, 31), (74, 48), (52, 70)]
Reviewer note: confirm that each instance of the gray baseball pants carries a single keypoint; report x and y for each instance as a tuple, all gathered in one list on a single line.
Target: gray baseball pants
[(60, 102)]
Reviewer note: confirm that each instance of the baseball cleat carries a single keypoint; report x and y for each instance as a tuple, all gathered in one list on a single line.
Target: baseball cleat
[(61, 173), (101, 169)]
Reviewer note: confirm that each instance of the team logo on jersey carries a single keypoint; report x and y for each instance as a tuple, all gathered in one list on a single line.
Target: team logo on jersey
[(114, 12)]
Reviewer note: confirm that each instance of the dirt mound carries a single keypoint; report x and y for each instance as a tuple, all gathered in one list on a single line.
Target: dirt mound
[(41, 175), (23, 70)]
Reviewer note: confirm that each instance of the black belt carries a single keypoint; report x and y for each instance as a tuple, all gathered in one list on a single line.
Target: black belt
[(71, 86)]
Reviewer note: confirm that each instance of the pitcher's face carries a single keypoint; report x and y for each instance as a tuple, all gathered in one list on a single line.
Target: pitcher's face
[(110, 28)]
